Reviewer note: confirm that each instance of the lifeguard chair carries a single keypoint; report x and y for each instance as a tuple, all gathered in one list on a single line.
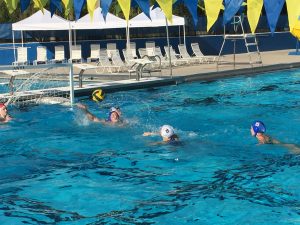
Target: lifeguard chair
[(249, 39)]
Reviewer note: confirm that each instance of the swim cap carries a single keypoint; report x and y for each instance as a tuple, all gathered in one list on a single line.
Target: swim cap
[(166, 131), (2, 105), (258, 127), (114, 109)]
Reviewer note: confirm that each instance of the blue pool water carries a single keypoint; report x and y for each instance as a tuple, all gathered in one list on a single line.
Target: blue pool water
[(57, 168)]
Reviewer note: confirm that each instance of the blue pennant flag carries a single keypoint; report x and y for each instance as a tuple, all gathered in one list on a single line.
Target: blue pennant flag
[(55, 4), (24, 5), (78, 4), (105, 5), (231, 8), (273, 9), (144, 6), (192, 6)]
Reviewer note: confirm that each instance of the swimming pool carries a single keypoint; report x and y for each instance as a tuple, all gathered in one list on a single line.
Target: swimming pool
[(57, 168)]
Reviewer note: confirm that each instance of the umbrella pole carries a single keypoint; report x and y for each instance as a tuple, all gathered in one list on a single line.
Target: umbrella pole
[(127, 36), (70, 42), (168, 41), (14, 46), (184, 41), (71, 74), (22, 38), (179, 35)]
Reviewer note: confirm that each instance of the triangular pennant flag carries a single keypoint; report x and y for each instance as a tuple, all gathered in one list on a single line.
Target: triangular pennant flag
[(68, 4), (11, 5), (273, 9), (231, 8), (55, 4), (91, 5), (212, 10), (144, 6), (253, 12), (166, 7), (24, 5), (296, 29), (125, 6), (192, 6), (39, 4), (105, 5), (293, 9), (78, 4)]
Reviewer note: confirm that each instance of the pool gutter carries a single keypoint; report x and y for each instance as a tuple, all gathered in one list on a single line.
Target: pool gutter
[(208, 76)]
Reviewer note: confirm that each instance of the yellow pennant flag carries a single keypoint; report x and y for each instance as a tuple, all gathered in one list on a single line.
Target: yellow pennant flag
[(11, 5), (166, 7), (125, 6), (91, 6), (39, 4), (68, 4), (293, 10), (212, 10), (254, 8)]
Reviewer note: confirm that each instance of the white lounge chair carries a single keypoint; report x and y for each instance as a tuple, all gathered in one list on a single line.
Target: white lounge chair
[(150, 51), (142, 52), (197, 52), (175, 58), (185, 55), (22, 58), (128, 56), (76, 54), (164, 61), (117, 61), (111, 48), (133, 49), (41, 55), (59, 54), (150, 48), (95, 53), (105, 63)]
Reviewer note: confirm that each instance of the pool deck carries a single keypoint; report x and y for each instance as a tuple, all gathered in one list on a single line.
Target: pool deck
[(272, 61)]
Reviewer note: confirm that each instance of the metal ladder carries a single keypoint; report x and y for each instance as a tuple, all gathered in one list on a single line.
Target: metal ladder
[(249, 39)]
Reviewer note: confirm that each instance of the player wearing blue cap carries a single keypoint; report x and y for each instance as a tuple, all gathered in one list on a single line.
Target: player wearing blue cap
[(258, 130)]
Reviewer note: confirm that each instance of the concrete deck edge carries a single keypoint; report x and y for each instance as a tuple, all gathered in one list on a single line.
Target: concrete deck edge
[(237, 72), (188, 78)]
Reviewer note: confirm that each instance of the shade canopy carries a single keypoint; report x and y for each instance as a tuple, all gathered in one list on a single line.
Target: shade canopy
[(98, 22), (158, 19), (42, 21)]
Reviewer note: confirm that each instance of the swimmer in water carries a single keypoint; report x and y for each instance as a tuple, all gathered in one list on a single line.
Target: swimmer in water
[(4, 116), (114, 116), (167, 133), (258, 130)]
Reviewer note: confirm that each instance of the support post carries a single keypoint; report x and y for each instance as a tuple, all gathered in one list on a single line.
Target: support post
[(22, 38), (14, 46), (169, 50), (70, 42), (71, 80)]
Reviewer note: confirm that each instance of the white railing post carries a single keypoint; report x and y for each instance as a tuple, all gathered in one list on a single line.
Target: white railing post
[(71, 84)]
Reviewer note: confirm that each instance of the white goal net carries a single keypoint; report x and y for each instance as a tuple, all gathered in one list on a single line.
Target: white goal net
[(48, 84)]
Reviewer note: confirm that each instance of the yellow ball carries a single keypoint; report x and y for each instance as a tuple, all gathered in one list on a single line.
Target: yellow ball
[(98, 95)]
